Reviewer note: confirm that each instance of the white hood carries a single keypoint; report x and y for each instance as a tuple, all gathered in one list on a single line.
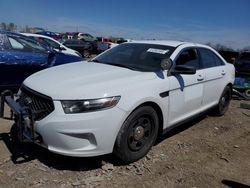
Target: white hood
[(85, 80)]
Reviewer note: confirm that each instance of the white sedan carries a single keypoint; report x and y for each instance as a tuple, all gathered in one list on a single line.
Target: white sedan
[(123, 99), (53, 43)]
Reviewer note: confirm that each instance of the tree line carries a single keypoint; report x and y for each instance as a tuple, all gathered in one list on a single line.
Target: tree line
[(8, 26), (14, 28)]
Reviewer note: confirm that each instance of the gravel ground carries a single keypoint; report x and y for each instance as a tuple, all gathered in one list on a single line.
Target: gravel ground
[(207, 152)]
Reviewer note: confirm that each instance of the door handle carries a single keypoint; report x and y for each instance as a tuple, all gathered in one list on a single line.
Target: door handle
[(223, 73), (200, 78)]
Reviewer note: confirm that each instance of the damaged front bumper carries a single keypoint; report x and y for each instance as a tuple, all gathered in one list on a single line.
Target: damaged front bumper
[(78, 135), (22, 116)]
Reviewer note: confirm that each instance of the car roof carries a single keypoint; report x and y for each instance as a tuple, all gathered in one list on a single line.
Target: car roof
[(160, 42), (169, 43), (38, 35)]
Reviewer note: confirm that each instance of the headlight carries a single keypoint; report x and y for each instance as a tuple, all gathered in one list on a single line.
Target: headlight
[(80, 106)]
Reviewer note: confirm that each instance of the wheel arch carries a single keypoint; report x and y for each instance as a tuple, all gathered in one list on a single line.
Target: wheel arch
[(158, 110), (230, 85)]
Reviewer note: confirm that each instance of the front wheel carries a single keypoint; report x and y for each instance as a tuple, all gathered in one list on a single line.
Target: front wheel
[(137, 135), (224, 101)]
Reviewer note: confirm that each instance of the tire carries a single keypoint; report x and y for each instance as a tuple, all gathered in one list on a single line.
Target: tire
[(224, 102), (86, 54), (137, 135), (247, 93)]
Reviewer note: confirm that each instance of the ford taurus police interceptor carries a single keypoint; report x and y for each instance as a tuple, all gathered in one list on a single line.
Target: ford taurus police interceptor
[(120, 101)]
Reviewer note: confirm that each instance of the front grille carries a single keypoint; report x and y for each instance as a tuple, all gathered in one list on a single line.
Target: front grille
[(39, 104)]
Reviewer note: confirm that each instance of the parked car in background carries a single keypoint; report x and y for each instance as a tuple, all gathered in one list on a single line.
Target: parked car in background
[(242, 78), (242, 63), (49, 34), (86, 37), (56, 45), (20, 56), (103, 46), (123, 99), (93, 46), (82, 47)]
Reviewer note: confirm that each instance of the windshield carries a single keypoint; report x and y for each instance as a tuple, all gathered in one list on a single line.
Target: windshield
[(136, 56)]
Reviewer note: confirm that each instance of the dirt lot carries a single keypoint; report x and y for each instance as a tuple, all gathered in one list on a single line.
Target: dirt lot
[(207, 152)]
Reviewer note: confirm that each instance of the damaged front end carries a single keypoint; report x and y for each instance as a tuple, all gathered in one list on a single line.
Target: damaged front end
[(26, 108)]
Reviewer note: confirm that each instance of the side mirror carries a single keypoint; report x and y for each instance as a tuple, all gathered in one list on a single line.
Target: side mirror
[(183, 69), (166, 64)]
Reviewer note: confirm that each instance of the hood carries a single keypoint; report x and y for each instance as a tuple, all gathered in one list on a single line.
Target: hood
[(85, 80)]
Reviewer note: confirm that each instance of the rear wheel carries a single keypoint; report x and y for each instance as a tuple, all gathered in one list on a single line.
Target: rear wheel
[(247, 94), (224, 101), (137, 135)]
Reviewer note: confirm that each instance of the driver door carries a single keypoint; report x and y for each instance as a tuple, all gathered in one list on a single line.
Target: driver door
[(186, 91)]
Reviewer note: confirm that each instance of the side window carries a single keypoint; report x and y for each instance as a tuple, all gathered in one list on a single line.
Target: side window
[(218, 60), (209, 59), (40, 40), (188, 57), (51, 43), (15, 44)]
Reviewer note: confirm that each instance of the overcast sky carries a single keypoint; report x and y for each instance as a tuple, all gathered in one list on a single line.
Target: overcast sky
[(217, 21)]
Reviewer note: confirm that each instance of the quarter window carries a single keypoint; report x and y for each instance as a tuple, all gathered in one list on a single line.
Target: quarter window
[(15, 44), (25, 44)]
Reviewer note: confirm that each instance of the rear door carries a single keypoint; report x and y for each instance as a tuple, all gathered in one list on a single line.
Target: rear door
[(186, 91), (215, 70)]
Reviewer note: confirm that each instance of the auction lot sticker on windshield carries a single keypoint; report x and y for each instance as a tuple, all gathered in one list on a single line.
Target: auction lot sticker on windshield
[(158, 51)]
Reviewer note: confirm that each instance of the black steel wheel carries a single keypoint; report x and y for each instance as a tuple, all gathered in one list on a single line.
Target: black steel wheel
[(137, 135)]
